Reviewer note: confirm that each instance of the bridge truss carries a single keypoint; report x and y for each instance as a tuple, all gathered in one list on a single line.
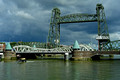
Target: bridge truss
[(65, 49), (28, 49), (111, 46), (54, 30)]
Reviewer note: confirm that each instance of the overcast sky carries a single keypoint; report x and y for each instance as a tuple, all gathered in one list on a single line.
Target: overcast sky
[(28, 20)]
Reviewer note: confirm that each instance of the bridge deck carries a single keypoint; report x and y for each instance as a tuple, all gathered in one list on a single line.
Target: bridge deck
[(42, 52), (106, 52), (93, 52)]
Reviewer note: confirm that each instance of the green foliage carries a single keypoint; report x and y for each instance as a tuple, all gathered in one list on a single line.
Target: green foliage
[(13, 44)]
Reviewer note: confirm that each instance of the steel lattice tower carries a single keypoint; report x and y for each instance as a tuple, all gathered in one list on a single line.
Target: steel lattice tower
[(103, 35), (54, 30)]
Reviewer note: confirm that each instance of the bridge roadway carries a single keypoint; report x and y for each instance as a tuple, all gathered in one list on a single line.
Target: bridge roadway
[(70, 55), (70, 52), (90, 54), (106, 52), (46, 52)]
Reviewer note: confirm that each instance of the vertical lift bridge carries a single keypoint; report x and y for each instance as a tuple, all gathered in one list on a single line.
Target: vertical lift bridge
[(54, 30)]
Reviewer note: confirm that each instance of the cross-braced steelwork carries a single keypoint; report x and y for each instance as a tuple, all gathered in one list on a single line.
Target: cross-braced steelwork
[(74, 18), (28, 49), (103, 35), (54, 30), (56, 20), (112, 45)]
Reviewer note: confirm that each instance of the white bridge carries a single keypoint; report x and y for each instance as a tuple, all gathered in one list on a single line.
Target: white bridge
[(65, 49), (28, 49), (85, 47)]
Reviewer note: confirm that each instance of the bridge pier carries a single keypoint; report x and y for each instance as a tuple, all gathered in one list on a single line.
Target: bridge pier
[(9, 55), (66, 56), (81, 55)]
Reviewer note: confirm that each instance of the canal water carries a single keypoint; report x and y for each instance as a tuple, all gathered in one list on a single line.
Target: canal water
[(60, 70)]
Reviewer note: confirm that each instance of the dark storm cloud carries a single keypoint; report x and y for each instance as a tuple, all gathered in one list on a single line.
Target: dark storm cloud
[(23, 20), (23, 4), (28, 20), (90, 28)]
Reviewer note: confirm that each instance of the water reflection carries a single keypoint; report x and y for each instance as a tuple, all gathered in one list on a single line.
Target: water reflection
[(60, 70)]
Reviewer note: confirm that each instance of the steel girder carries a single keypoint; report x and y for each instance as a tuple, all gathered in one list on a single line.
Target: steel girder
[(102, 25), (112, 45), (76, 18), (103, 35)]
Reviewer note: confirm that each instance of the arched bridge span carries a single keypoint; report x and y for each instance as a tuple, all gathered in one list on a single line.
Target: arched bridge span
[(59, 50)]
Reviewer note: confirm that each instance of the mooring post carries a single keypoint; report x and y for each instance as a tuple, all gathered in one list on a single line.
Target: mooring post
[(66, 56)]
